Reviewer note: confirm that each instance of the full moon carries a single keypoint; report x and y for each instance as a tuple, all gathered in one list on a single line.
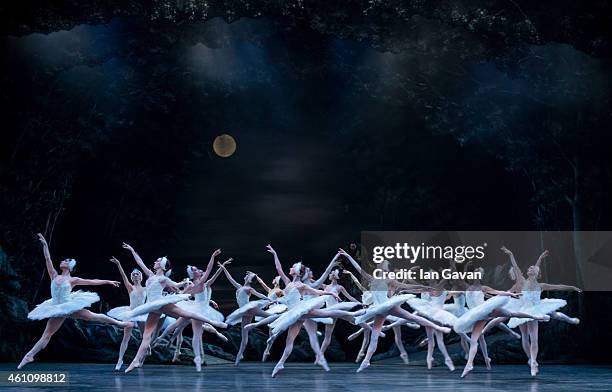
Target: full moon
[(224, 145)]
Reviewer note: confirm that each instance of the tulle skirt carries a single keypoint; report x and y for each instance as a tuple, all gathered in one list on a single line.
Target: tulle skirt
[(202, 309), (153, 306), (77, 300), (546, 306), (295, 313), (436, 314), (455, 309), (382, 309), (273, 309), (236, 316), (465, 323), (115, 312)]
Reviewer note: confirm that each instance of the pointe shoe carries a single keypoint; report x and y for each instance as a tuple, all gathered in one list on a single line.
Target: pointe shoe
[(488, 363), (119, 365), (449, 364), (25, 361), (429, 362), (466, 370), (575, 321), (423, 342), (516, 335), (323, 363), (265, 355), (364, 365), (404, 358), (198, 363), (238, 359), (382, 334), (277, 368), (534, 368), (132, 366)]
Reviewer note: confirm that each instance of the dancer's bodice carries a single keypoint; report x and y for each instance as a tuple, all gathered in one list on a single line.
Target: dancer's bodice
[(60, 292), (532, 296), (379, 289), (474, 298), (137, 297), (330, 300), (242, 297), (155, 289), (459, 300), (438, 300), (292, 297), (203, 296)]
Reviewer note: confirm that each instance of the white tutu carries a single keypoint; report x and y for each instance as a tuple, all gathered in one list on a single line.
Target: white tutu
[(455, 308), (382, 308), (544, 307), (273, 309), (152, 306), (294, 313), (465, 323), (115, 312), (432, 312), (202, 309), (236, 316), (73, 302)]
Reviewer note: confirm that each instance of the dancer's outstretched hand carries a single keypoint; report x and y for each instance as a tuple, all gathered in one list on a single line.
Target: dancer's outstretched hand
[(128, 247), (270, 249), (113, 283), (114, 260), (506, 250), (41, 238), (342, 252), (216, 253)]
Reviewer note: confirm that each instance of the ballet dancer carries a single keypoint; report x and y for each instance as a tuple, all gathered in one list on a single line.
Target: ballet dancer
[(479, 313), (385, 303), (293, 319), (64, 303), (201, 290), (157, 304), (247, 309), (330, 301), (137, 295), (531, 303)]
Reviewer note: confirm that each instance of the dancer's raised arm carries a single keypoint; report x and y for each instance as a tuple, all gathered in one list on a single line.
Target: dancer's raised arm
[(210, 281), (50, 269), (229, 276), (126, 281), (138, 260), (256, 293), (263, 284), (211, 262), (355, 280), (541, 258), (355, 264), (92, 282), (277, 264), (559, 287), (326, 273), (415, 288), (515, 267), (342, 290)]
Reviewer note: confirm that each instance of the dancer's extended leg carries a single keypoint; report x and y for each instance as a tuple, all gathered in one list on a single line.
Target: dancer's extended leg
[(246, 320), (476, 332), (150, 326), (374, 333), (292, 333), (127, 334), (53, 324)]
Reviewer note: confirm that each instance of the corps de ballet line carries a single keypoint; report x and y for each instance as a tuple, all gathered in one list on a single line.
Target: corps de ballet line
[(457, 303)]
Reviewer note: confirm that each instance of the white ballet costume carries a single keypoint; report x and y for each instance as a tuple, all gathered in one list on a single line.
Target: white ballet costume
[(479, 309), (531, 303), (137, 298), (322, 320), (331, 303), (381, 302), (155, 300), (244, 306), (297, 307), (63, 302), (201, 305), (457, 307), (432, 307), (274, 308)]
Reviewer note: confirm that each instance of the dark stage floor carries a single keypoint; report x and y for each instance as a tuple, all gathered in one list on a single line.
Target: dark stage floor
[(300, 376)]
